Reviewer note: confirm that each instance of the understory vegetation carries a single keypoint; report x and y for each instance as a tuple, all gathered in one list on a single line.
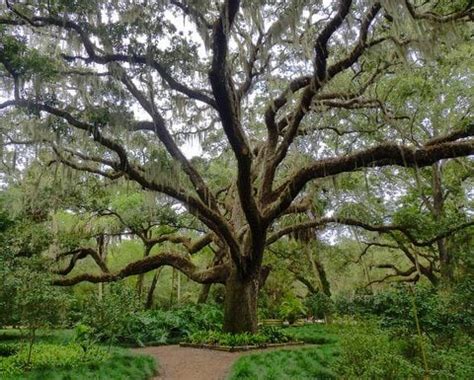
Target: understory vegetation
[(264, 336), (61, 355), (366, 348)]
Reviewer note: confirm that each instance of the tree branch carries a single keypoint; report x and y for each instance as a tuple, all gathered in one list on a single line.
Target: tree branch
[(379, 156), (216, 274), (228, 105)]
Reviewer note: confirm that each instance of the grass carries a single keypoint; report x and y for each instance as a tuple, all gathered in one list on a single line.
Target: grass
[(67, 362), (298, 364), (315, 333), (121, 366), (295, 364), (58, 336)]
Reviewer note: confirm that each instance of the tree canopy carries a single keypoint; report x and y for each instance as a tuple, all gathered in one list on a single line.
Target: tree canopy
[(292, 103)]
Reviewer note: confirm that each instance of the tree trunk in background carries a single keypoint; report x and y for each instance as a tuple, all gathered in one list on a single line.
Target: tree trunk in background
[(140, 280), (101, 247), (240, 304), (438, 205), (204, 294), (141, 277), (173, 284), (151, 291), (318, 271), (178, 287)]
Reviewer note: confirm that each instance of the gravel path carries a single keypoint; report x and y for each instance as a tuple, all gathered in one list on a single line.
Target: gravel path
[(185, 363)]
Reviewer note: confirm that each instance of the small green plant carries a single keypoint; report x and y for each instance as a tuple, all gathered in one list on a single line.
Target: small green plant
[(84, 336), (291, 309), (274, 334)]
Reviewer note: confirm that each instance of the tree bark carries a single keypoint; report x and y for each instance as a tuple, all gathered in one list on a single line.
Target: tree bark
[(438, 206), (151, 291), (204, 294), (318, 271), (240, 304), (141, 277)]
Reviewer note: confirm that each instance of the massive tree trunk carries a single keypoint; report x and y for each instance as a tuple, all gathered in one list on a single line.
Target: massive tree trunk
[(240, 304)]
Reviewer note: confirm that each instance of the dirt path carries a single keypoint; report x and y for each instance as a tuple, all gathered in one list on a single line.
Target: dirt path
[(184, 363)]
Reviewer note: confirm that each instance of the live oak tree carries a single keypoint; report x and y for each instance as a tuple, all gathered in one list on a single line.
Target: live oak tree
[(272, 88)]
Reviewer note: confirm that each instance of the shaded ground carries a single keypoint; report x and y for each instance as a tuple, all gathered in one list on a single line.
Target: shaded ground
[(185, 363)]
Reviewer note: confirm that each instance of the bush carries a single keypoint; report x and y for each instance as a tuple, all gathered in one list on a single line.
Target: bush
[(109, 318), (159, 326), (274, 334), (453, 363), (264, 336), (368, 353), (129, 325), (442, 314), (319, 305)]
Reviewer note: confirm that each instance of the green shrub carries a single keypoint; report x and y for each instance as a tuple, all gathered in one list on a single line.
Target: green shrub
[(368, 353), (319, 305), (109, 317), (265, 335), (84, 336), (454, 363), (274, 334), (442, 314), (110, 321), (159, 326)]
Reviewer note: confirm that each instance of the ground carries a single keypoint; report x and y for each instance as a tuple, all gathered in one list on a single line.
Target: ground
[(185, 363)]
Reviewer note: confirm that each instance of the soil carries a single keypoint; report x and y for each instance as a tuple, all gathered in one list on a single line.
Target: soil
[(186, 363)]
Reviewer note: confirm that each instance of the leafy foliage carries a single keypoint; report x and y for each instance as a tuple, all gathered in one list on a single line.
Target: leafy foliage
[(291, 309), (265, 335), (118, 317), (319, 305), (368, 353), (441, 314)]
